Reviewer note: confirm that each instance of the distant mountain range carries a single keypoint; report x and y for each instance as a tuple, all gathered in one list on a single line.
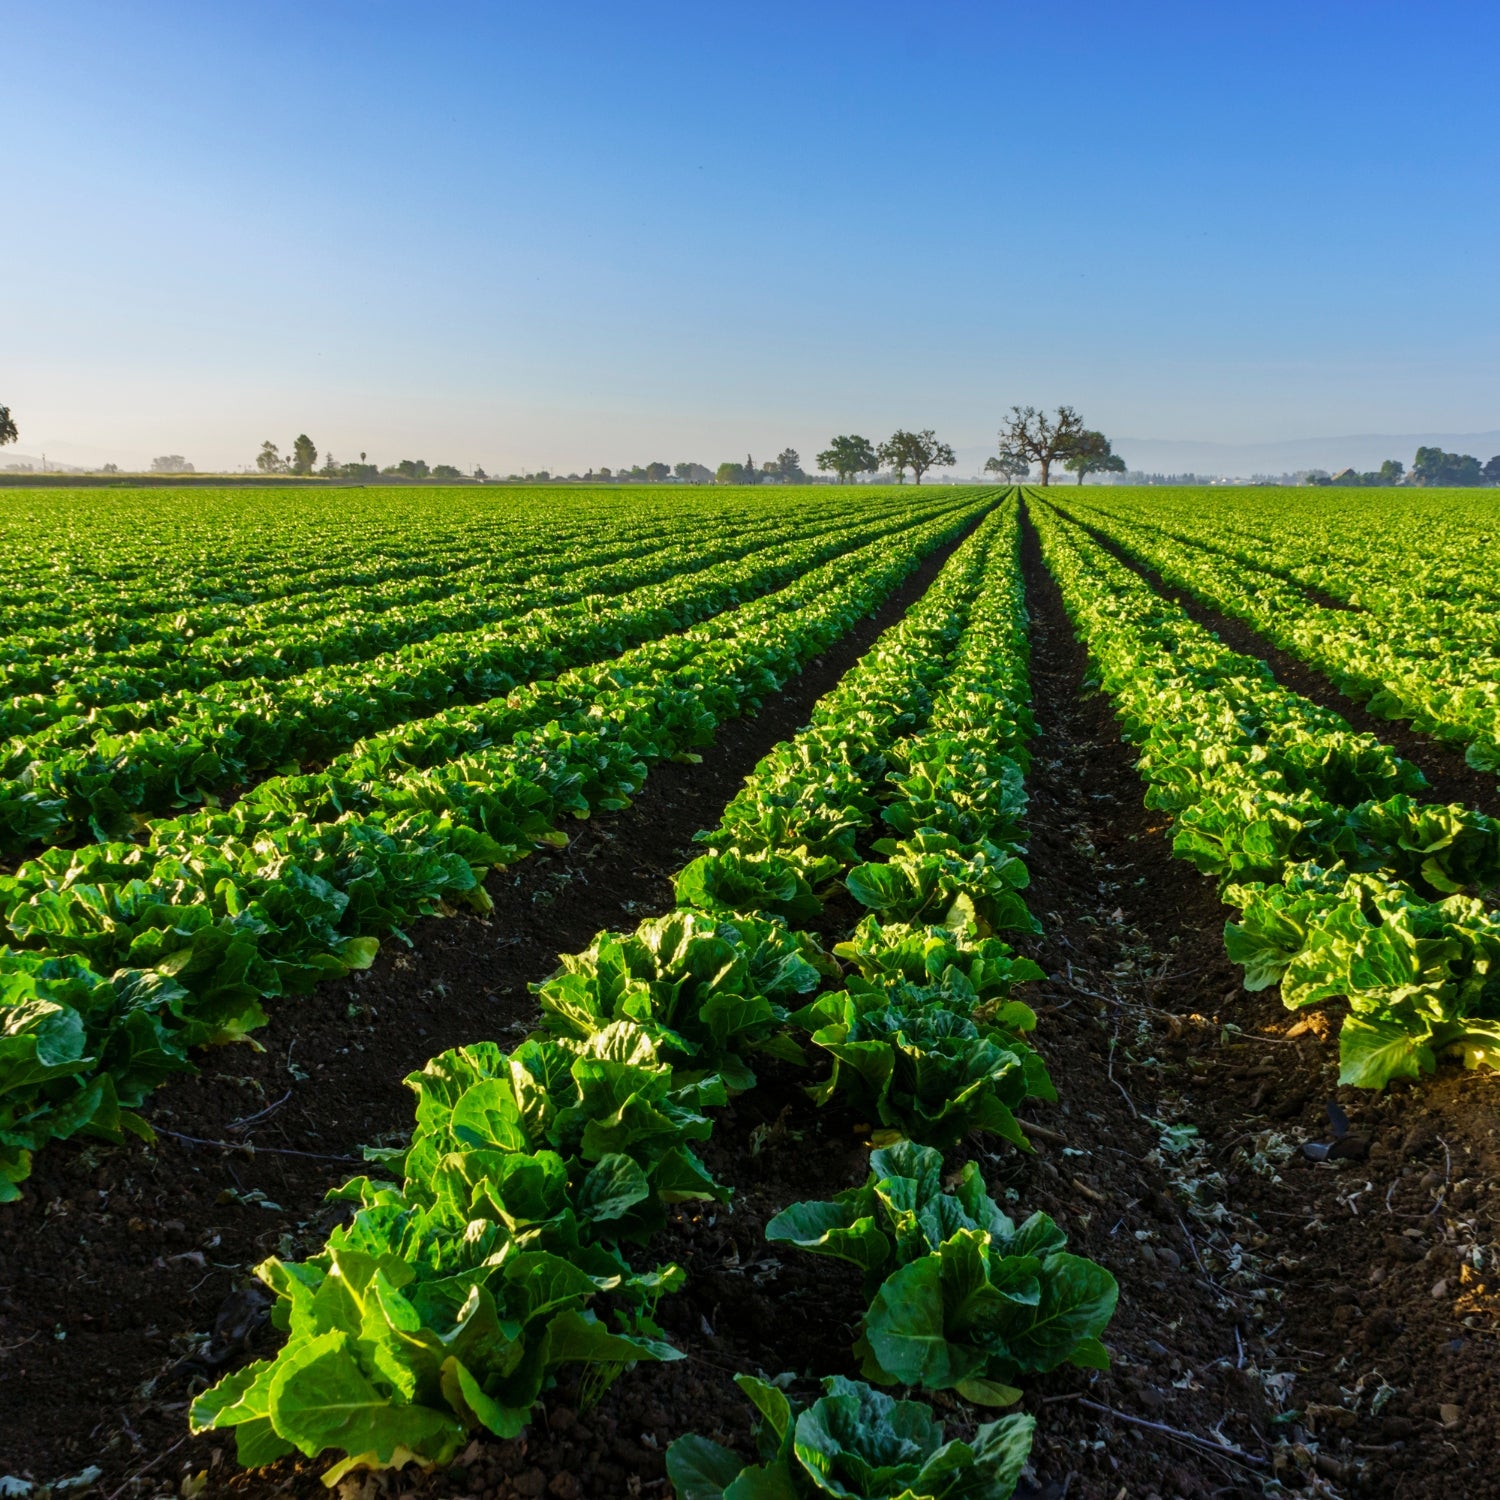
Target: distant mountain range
[(1363, 451), (1241, 460), (10, 459)]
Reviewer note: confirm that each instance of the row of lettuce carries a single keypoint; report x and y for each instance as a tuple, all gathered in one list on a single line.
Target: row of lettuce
[(1348, 885), (148, 683), (151, 564), (128, 954), (506, 1240), (89, 759), (260, 619), (120, 616), (1407, 654)]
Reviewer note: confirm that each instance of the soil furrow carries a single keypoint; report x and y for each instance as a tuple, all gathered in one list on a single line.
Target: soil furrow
[(1450, 777), (1331, 1320), (1335, 1290), (124, 1268), (1127, 931)]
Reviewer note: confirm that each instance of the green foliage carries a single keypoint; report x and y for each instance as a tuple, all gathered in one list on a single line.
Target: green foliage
[(387, 1368), (960, 1297), (928, 1071), (1420, 977), (1432, 466), (705, 990), (131, 953), (917, 451), (853, 1442), (1348, 886), (848, 456), (933, 878), (448, 1301), (1091, 453)]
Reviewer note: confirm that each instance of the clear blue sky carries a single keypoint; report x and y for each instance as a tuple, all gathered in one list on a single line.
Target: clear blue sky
[(587, 233)]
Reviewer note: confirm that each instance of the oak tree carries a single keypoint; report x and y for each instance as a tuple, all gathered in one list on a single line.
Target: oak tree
[(1032, 436), (1008, 466), (848, 456), (917, 451), (1091, 454)]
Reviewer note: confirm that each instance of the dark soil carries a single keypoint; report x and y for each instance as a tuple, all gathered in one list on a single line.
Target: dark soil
[(1322, 1307), (1281, 1319), (1449, 775), (123, 1272)]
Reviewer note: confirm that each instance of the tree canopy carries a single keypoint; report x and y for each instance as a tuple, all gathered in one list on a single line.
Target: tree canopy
[(1091, 453), (787, 466), (917, 451), (9, 432), (1008, 466), (304, 455), (848, 456), (409, 468), (1432, 466), (1032, 437)]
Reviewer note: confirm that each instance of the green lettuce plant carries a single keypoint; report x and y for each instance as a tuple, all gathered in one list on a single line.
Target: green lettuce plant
[(448, 1300), (928, 1072), (933, 878), (390, 1366), (854, 1443), (961, 1297), (706, 989), (959, 970), (1420, 977), (956, 783)]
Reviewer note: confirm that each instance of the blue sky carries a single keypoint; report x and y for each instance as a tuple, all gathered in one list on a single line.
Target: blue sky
[(572, 234)]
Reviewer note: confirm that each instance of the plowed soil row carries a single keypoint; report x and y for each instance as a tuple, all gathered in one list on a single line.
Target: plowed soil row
[(124, 1282), (1448, 774), (1281, 1318), (1369, 1277)]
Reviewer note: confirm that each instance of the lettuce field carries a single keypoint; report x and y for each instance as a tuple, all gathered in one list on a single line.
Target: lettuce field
[(892, 993)]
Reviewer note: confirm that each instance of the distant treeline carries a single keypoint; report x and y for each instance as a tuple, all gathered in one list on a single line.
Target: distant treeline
[(1431, 468)]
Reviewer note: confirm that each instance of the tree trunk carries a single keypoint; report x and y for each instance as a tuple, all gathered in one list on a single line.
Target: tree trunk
[(1080, 476), (1046, 469)]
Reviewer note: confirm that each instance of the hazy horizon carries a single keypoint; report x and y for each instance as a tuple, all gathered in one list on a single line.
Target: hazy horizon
[(1360, 451), (533, 238)]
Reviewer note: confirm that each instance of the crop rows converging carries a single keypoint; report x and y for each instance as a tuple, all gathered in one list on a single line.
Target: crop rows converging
[(128, 952), (479, 1259), (245, 747), (1348, 884), (1412, 635)]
